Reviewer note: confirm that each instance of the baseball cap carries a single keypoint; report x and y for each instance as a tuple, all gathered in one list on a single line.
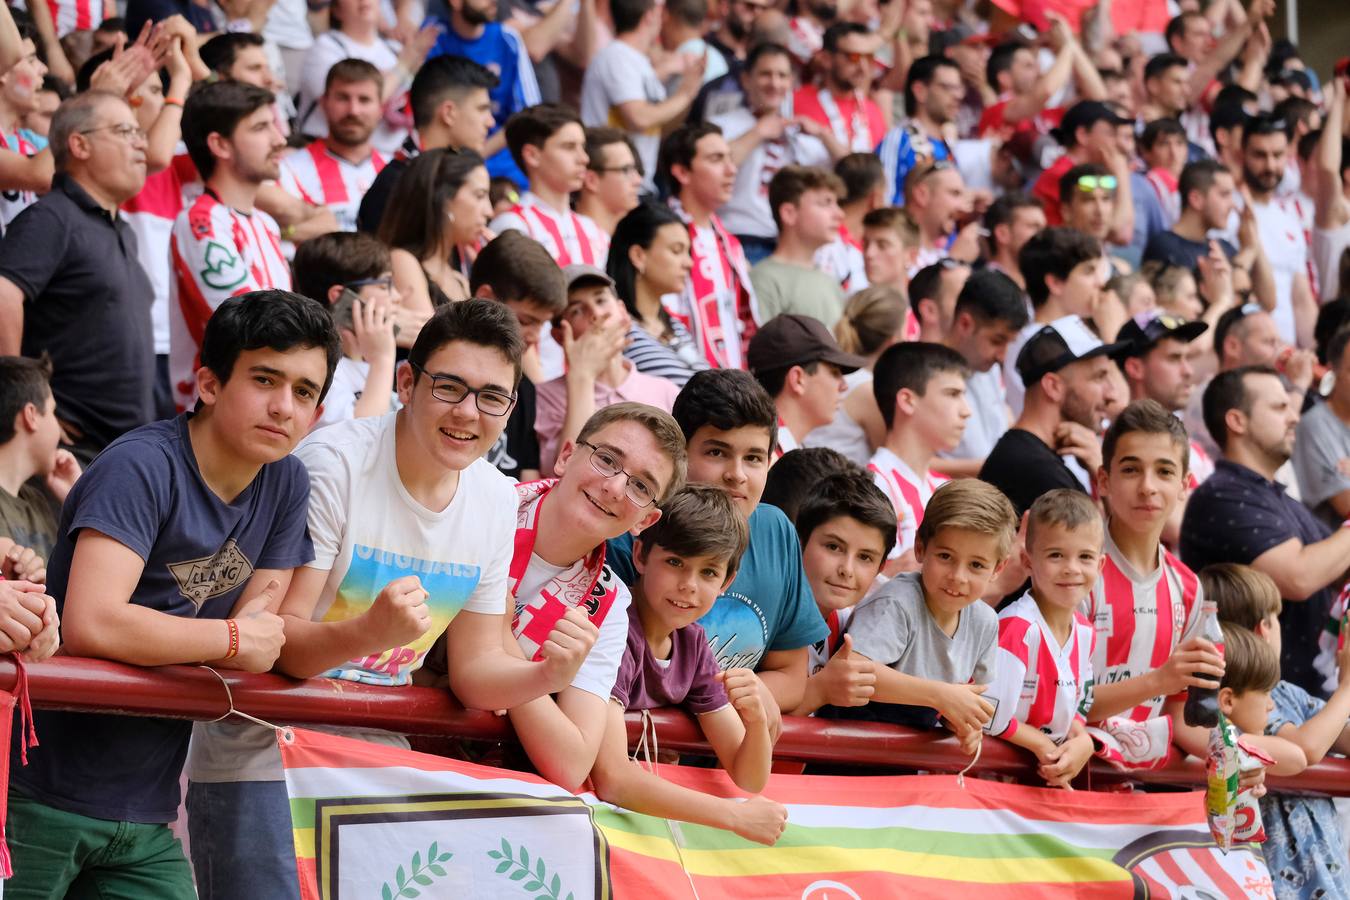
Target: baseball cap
[(1065, 340), (578, 273), (940, 41), (1085, 114), (1141, 333), (794, 340)]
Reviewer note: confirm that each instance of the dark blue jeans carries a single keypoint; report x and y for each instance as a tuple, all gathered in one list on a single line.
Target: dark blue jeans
[(241, 841)]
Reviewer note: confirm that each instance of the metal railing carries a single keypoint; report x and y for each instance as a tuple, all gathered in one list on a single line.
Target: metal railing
[(193, 692)]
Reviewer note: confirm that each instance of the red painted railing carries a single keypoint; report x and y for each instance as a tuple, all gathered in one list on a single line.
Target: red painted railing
[(189, 692)]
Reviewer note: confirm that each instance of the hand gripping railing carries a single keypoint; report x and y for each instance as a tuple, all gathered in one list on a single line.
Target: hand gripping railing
[(189, 692)]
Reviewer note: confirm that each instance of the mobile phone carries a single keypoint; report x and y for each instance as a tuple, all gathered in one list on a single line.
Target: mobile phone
[(343, 307)]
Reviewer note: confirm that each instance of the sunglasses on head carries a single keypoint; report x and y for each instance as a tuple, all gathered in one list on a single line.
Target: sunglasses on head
[(1088, 183)]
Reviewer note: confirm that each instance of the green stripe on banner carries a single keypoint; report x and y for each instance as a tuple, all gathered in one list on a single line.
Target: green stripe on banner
[(949, 843), (302, 813)]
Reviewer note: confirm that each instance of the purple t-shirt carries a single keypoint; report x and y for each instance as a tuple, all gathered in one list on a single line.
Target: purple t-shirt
[(687, 679)]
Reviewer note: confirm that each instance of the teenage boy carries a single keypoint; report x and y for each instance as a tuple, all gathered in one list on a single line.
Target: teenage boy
[(766, 620), (842, 258), (697, 165), (847, 529), (686, 559), (805, 207), (1147, 607), (609, 189), (921, 392), (561, 567), (29, 440), (932, 297), (352, 271), (990, 311), (592, 331), (1011, 221), (884, 256), (1065, 274), (933, 639), (1043, 681), (451, 108), (28, 171), (549, 144), (222, 245), (517, 271), (176, 546), (799, 364), (412, 536), (336, 170)]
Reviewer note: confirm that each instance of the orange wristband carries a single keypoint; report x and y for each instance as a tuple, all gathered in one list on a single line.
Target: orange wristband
[(234, 639), (173, 101)]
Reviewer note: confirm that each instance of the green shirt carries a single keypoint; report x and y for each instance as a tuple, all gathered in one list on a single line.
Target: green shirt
[(782, 287)]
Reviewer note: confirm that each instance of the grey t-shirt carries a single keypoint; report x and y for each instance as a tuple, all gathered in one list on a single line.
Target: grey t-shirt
[(786, 288), (1322, 444)]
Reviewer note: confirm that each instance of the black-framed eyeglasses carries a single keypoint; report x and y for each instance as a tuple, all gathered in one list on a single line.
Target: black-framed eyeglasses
[(449, 389), (386, 282), (125, 131), (638, 492)]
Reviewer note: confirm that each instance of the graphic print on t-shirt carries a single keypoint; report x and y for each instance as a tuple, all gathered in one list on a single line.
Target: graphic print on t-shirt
[(201, 579), (737, 631), (448, 585)]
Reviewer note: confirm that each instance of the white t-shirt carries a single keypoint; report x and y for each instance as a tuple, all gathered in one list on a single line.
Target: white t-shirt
[(349, 383), (1282, 239), (747, 212), (617, 75), (844, 434), (989, 415), (601, 667), (368, 530)]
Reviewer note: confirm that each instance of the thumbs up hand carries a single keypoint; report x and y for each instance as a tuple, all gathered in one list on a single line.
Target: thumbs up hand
[(847, 679), (260, 632)]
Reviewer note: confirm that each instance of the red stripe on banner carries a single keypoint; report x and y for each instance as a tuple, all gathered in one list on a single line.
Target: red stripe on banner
[(1227, 885), (309, 879), (1172, 870), (1155, 890)]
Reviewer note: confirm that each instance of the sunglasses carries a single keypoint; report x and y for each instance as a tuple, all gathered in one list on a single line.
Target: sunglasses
[(855, 57), (1088, 183)]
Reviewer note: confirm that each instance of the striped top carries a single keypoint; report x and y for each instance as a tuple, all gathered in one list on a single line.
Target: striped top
[(674, 362), (1037, 682)]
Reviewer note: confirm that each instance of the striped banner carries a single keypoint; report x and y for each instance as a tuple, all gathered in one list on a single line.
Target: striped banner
[(376, 822)]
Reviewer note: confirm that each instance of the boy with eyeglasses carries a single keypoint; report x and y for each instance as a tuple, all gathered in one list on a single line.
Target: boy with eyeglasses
[(413, 533)]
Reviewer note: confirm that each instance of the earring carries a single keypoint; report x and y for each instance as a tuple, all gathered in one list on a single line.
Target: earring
[(641, 271), (450, 217)]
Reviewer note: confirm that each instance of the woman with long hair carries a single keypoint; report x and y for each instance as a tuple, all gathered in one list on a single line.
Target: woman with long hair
[(873, 319), (436, 218), (649, 258)]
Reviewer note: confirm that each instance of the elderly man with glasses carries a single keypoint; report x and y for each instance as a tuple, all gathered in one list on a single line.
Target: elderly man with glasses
[(70, 282)]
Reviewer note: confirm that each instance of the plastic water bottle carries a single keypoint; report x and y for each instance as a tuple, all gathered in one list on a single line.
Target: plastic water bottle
[(1202, 704)]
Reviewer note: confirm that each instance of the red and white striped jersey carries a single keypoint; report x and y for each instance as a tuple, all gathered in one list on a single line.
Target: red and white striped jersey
[(151, 214), (820, 652), (1038, 683), (786, 443), (1201, 466), (13, 202), (218, 253), (568, 236), (75, 15), (320, 177), (842, 260), (908, 492), (1140, 618)]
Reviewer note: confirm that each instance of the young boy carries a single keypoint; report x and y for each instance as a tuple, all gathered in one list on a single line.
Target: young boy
[(176, 546), (1251, 676), (921, 392), (767, 619), (1147, 607), (799, 364), (685, 559), (328, 268), (1043, 681), (548, 142), (794, 477), (933, 639), (847, 528), (1303, 834), (805, 207), (592, 330), (29, 439)]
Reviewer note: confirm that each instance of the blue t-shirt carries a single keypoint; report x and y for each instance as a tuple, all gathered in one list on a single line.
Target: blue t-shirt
[(768, 607), (146, 491), (500, 49), (900, 151)]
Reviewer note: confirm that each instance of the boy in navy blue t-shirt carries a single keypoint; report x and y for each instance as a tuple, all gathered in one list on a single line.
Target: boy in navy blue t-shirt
[(767, 619), (175, 546)]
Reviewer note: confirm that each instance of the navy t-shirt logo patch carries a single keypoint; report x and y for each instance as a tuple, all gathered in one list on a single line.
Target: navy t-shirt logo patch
[(201, 579)]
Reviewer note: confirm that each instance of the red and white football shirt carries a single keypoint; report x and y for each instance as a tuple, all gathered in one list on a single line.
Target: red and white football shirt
[(1201, 466), (151, 214), (14, 202), (820, 652), (75, 15), (908, 492), (218, 253), (1037, 682), (1140, 618), (842, 260), (569, 237), (320, 177)]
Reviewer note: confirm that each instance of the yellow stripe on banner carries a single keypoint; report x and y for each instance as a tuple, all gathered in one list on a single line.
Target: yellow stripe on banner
[(304, 843), (802, 860)]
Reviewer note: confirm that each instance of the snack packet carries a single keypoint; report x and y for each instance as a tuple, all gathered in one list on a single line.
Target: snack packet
[(1233, 817)]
